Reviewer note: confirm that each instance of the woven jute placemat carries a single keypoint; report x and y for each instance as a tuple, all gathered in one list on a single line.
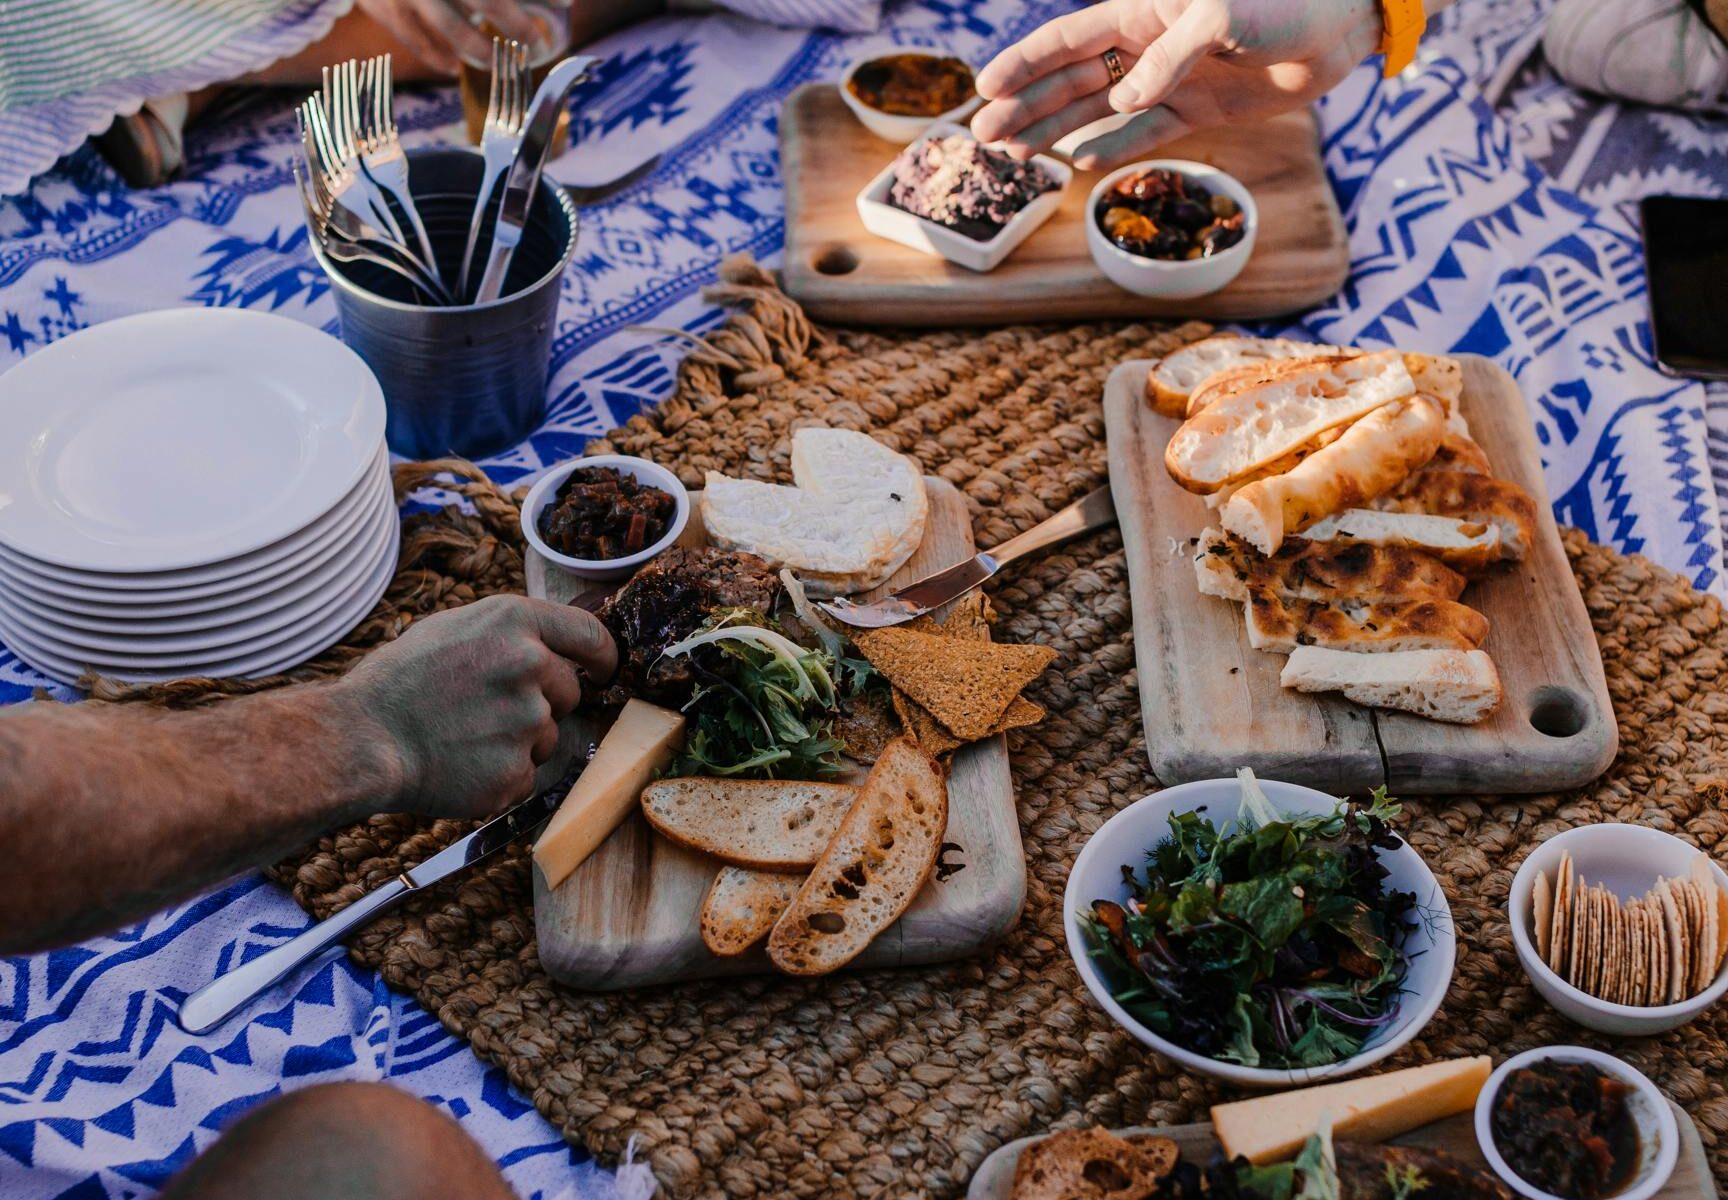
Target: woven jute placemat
[(898, 1083)]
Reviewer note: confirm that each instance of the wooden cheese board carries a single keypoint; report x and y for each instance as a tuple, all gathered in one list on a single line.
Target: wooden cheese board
[(841, 273), (627, 917), (1211, 703), (1455, 1135)]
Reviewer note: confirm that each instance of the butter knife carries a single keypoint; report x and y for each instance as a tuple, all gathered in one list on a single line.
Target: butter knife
[(214, 1003), (1092, 511), (524, 175)]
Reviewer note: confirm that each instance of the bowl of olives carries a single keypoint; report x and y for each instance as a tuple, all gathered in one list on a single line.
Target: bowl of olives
[(1170, 228)]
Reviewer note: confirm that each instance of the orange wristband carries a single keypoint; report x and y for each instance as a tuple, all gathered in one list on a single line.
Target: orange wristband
[(1406, 20)]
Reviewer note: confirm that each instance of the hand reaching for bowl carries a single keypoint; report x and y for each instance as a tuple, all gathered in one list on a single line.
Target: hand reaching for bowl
[(1184, 65)]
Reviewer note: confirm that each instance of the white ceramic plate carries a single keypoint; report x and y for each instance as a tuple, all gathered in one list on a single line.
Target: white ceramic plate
[(209, 633), (1127, 836), (352, 553), (97, 610), (180, 438), (269, 660), (207, 580)]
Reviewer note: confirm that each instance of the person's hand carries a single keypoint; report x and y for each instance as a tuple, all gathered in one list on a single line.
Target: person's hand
[(1189, 64), (469, 699), (439, 32)]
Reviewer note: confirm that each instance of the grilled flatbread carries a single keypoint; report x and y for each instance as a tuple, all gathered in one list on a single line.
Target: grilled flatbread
[(1281, 625), (1250, 429), (1467, 497), (1459, 452), (1228, 382), (1372, 457), (1305, 570), (1460, 686), (1466, 546), (1176, 375)]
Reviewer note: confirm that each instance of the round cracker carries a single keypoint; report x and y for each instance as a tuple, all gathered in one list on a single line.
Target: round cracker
[(1679, 969), (1542, 916), (1562, 934)]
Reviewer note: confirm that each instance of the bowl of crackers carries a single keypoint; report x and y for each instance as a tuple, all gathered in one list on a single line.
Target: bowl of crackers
[(1622, 928)]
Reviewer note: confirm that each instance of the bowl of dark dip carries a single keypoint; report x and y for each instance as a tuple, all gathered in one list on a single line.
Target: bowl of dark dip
[(603, 517)]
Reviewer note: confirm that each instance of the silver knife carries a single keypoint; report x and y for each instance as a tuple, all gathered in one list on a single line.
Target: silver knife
[(1093, 511), (214, 1003), (524, 177)]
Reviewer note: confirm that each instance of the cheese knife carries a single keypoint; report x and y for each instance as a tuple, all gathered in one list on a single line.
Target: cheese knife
[(214, 1003), (1092, 511)]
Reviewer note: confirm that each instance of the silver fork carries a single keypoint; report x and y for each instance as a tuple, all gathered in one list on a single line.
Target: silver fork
[(342, 114), (380, 147), (506, 114), (342, 233)]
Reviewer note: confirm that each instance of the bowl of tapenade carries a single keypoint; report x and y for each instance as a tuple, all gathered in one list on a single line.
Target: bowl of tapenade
[(602, 517), (897, 95), (1171, 228), (1570, 1123)]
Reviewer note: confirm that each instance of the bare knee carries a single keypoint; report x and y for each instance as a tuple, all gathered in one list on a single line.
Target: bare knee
[(365, 1141)]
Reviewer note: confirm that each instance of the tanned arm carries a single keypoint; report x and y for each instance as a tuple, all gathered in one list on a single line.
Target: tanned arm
[(108, 812)]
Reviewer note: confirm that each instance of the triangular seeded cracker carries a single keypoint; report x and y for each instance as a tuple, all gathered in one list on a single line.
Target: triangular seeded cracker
[(966, 685)]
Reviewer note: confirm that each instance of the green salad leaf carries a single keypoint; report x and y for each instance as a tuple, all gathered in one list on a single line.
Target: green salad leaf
[(1272, 942)]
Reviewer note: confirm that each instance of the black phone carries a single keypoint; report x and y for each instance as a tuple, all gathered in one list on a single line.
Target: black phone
[(1686, 265)]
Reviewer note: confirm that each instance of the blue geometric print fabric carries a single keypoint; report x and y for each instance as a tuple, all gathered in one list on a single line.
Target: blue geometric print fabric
[(1487, 213)]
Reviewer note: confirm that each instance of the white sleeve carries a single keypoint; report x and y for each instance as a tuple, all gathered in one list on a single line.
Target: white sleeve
[(846, 16)]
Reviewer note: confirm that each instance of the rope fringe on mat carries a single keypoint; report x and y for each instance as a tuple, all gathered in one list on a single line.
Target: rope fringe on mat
[(898, 1083)]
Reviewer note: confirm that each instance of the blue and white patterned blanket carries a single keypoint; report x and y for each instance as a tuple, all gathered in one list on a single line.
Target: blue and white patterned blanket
[(1489, 212)]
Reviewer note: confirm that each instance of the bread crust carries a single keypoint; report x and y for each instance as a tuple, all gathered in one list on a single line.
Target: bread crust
[(1279, 625), (1173, 378), (1467, 546), (1470, 497), (1371, 457), (1305, 570), (741, 906)]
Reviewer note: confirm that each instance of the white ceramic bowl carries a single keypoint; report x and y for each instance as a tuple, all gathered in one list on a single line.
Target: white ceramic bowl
[(896, 224), (1173, 279), (893, 127), (1658, 1132), (1127, 836), (1626, 859), (640, 469)]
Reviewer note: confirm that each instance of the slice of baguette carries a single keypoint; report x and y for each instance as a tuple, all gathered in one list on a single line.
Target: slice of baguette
[(741, 907), (1092, 1164), (855, 514), (1175, 375), (1371, 457), (1281, 625), (1470, 497), (1249, 429), (873, 868), (766, 824), (1459, 686), (1467, 546), (1305, 570), (1226, 383)]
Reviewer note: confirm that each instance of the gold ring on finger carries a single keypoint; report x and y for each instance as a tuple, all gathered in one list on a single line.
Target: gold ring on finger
[(1113, 64)]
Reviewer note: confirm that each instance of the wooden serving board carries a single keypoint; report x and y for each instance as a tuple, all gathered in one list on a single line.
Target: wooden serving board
[(842, 273), (628, 916), (1211, 703), (1455, 1135)]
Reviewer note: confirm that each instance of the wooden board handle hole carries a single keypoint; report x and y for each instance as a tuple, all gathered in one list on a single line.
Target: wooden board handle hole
[(836, 258), (1558, 712)]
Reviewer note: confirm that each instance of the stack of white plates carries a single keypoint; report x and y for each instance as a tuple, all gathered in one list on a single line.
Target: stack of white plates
[(190, 492)]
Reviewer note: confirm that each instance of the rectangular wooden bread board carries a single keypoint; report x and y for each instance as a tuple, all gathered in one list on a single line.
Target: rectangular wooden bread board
[(1211, 703), (841, 273), (1455, 1135), (627, 918)]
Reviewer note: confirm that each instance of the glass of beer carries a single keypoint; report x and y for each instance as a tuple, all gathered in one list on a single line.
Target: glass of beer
[(546, 47)]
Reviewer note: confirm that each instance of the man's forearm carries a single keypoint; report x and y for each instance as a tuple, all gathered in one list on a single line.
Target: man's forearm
[(107, 813)]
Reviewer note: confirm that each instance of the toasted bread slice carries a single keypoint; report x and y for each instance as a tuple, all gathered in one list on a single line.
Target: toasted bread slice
[(1466, 546), (1176, 375), (1305, 570), (1281, 625), (766, 824), (741, 907), (1460, 686), (1229, 382), (855, 514), (1470, 497), (1249, 429), (1092, 1164), (872, 869), (1373, 456)]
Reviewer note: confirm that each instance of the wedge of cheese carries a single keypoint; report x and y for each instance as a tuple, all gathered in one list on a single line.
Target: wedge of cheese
[(1269, 1129), (640, 742)]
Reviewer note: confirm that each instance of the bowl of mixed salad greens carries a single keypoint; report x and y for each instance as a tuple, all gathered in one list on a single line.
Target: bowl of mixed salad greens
[(1260, 932)]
